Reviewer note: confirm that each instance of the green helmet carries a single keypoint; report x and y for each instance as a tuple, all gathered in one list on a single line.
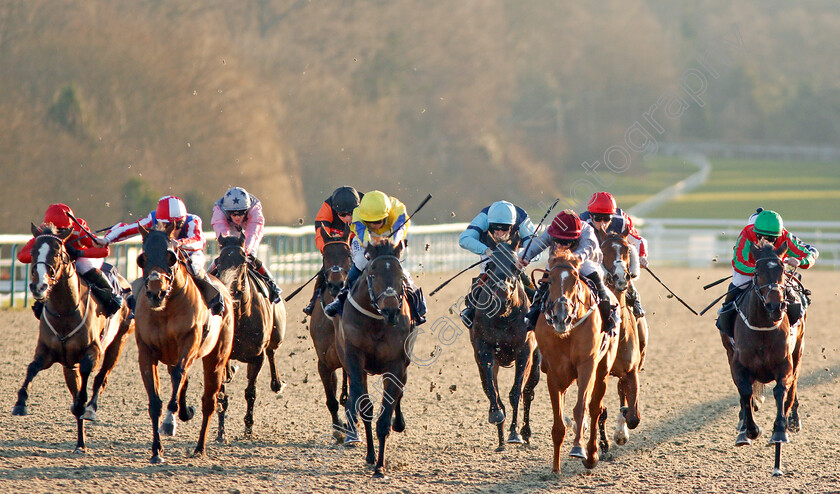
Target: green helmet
[(768, 223)]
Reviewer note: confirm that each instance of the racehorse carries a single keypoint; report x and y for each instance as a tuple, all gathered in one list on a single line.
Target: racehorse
[(336, 265), (371, 339), (500, 337), (574, 347), (259, 325), (174, 326), (765, 347), (73, 331), (628, 358)]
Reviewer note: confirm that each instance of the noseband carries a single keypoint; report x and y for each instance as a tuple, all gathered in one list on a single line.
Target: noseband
[(389, 292), (572, 306), (52, 272)]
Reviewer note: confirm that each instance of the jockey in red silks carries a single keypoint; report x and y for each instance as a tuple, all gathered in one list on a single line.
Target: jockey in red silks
[(767, 225), (88, 256), (188, 237), (333, 220), (604, 216), (240, 213)]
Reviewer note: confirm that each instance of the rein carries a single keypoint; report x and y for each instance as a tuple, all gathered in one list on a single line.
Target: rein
[(548, 309), (389, 292), (79, 326), (756, 288)]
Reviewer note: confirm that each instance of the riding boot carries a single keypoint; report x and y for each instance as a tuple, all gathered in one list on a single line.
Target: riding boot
[(38, 309), (468, 313), (530, 289), (536, 306), (274, 291), (110, 302), (319, 285), (610, 315), (726, 314), (211, 295), (634, 301), (794, 306), (416, 302)]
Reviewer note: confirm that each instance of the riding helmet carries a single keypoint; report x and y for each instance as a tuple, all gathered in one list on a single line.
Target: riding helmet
[(374, 206), (501, 213), (344, 199), (601, 203), (58, 215), (768, 223), (236, 199), (170, 208), (565, 226)]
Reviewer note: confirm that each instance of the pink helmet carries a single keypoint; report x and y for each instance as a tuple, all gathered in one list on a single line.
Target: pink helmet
[(170, 208), (565, 226)]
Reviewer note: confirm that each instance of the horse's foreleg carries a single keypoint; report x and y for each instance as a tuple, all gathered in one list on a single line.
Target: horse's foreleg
[(80, 378), (630, 385), (215, 371), (254, 367), (176, 374), (151, 381), (749, 429), (780, 392), (522, 368), (109, 361), (366, 411), (585, 382), (42, 361), (486, 370), (596, 408), (273, 344), (642, 329), (528, 395), (558, 428), (355, 376), (329, 380), (392, 388)]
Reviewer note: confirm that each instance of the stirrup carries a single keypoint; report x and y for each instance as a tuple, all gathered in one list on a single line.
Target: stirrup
[(468, 322)]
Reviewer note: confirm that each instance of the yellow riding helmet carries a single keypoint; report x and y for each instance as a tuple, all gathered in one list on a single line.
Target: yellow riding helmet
[(374, 206)]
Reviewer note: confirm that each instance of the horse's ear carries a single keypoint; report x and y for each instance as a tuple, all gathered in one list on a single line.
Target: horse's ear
[(170, 227), (141, 260), (143, 231), (35, 230), (754, 251), (64, 233), (781, 249), (172, 258), (398, 249)]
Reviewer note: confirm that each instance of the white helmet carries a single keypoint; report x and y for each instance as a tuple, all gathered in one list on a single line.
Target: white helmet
[(501, 213), (236, 199)]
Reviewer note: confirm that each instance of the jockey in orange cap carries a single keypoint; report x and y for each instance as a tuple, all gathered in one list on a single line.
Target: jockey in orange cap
[(89, 258)]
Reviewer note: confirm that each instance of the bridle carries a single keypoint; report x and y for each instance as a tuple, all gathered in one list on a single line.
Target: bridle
[(770, 287), (388, 292), (571, 305), (54, 273), (619, 263), (325, 272), (237, 293)]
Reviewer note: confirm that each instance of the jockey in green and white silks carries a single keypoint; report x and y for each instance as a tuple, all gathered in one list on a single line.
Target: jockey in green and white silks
[(768, 225)]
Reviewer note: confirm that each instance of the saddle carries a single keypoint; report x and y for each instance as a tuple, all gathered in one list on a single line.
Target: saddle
[(259, 282), (111, 274)]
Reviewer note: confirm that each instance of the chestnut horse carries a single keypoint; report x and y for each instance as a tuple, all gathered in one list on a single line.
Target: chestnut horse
[(336, 265), (628, 359), (174, 326), (371, 339), (765, 347), (500, 337), (574, 347), (259, 325), (73, 330)]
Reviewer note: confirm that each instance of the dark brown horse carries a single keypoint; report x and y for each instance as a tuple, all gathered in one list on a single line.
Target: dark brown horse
[(259, 325), (73, 330), (371, 340), (574, 348), (765, 347), (500, 337), (337, 262), (174, 326), (628, 358)]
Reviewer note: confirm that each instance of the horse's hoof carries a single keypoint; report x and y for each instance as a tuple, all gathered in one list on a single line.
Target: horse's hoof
[(249, 432), (621, 436), (779, 438), (742, 439), (186, 414), (777, 472), (80, 450), (754, 435), (198, 453), (275, 386), (496, 417), (398, 424), (20, 410), (220, 439), (157, 460), (591, 462), (515, 438), (90, 414), (577, 452), (378, 475), (351, 440), (500, 448), (794, 425), (167, 429)]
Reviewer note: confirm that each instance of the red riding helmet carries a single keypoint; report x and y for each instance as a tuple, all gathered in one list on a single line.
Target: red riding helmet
[(566, 225), (57, 214), (170, 208), (601, 203)]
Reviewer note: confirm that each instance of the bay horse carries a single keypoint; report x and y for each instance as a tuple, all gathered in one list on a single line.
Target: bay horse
[(628, 359), (73, 330), (765, 347), (500, 337), (259, 325), (371, 340), (574, 347), (174, 326), (336, 264)]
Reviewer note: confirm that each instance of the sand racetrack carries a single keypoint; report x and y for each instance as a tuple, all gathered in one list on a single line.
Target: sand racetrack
[(685, 441)]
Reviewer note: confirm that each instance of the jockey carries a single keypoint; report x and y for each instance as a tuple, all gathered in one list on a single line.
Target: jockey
[(498, 222), (187, 235), (378, 216), (604, 216), (333, 220), (768, 225), (88, 256), (237, 213), (569, 232)]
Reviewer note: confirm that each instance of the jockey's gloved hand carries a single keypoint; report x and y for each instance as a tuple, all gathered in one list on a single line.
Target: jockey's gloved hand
[(792, 261), (100, 241), (74, 252), (643, 262)]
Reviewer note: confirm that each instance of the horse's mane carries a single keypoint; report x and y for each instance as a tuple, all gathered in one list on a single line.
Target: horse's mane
[(560, 254), (382, 247), (764, 247)]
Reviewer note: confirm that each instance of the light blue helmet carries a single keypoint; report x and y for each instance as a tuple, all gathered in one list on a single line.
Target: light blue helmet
[(502, 213)]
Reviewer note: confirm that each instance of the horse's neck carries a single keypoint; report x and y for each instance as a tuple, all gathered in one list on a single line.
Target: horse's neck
[(65, 295), (181, 281), (756, 314)]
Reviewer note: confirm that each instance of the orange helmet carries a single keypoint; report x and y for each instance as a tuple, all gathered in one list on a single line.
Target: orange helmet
[(58, 215), (602, 203)]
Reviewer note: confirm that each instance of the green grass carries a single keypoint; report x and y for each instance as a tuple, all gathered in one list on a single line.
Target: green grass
[(797, 191)]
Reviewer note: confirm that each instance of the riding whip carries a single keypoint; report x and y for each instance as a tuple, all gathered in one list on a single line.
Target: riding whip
[(457, 275), (82, 227), (539, 225), (301, 287), (429, 196), (716, 283), (718, 299), (671, 292)]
